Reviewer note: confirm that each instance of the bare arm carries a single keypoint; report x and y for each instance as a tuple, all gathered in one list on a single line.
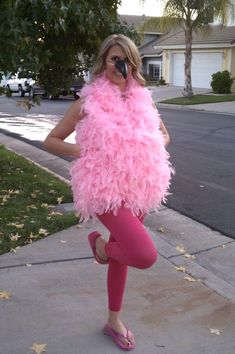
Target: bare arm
[(54, 142), (163, 129)]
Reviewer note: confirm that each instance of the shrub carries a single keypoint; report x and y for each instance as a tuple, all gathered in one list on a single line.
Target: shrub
[(221, 82), (161, 82)]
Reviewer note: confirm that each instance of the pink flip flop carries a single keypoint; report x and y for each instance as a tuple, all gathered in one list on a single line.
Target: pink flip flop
[(118, 338), (92, 237)]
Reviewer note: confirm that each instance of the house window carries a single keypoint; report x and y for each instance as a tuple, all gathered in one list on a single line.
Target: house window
[(154, 72)]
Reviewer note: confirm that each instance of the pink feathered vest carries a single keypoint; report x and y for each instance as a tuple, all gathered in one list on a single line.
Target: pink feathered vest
[(123, 159)]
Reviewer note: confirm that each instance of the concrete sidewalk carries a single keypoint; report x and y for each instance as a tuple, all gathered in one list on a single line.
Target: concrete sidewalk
[(59, 298)]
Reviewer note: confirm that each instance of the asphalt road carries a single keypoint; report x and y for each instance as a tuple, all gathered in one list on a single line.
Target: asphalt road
[(202, 151)]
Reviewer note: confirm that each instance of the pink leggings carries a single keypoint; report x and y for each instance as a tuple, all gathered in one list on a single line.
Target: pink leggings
[(129, 245)]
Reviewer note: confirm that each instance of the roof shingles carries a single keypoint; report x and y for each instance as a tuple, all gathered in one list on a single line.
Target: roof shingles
[(216, 35)]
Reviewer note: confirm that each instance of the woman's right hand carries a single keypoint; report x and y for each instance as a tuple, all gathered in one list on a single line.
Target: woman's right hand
[(76, 151)]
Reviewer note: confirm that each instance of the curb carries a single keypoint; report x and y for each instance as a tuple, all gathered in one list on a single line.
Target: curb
[(194, 269), (42, 167)]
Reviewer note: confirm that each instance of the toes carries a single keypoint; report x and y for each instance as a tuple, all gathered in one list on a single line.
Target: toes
[(130, 337)]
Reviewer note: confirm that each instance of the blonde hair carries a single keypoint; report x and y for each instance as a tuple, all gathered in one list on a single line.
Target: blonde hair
[(129, 48)]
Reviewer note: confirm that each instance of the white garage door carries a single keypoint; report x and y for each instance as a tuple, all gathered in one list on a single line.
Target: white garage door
[(203, 66)]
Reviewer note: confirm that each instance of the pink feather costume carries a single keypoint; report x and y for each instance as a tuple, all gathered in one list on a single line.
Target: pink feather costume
[(123, 159)]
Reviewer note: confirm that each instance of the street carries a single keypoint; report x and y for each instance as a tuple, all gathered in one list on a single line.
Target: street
[(202, 151)]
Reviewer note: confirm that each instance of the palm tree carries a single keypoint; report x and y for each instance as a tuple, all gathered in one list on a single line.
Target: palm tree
[(190, 15)]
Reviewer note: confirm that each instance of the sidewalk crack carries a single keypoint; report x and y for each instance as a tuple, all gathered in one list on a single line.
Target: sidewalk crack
[(45, 262), (202, 251)]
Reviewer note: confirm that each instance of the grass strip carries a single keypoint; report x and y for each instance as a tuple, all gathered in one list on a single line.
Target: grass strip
[(200, 99), (28, 196)]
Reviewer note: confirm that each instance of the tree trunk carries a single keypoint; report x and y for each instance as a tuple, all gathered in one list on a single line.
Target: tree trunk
[(188, 91)]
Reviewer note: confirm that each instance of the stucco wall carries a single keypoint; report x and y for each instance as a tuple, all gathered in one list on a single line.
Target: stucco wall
[(233, 68), (166, 65)]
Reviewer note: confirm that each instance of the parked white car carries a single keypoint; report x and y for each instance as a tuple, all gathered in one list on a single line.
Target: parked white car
[(32, 88), (23, 85)]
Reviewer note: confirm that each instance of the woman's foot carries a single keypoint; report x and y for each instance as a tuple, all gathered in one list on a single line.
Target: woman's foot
[(98, 247), (125, 336)]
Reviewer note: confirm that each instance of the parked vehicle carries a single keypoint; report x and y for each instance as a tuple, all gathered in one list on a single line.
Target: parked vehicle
[(76, 88), (24, 85), (32, 87), (17, 84)]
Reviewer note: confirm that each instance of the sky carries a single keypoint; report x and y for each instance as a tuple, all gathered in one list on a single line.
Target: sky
[(134, 7)]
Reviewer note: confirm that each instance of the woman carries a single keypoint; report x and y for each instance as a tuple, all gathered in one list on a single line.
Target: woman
[(121, 168)]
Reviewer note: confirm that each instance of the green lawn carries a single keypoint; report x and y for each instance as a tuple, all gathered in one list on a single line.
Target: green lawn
[(200, 99), (28, 196)]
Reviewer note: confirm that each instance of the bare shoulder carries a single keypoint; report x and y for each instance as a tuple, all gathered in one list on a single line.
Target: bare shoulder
[(74, 113)]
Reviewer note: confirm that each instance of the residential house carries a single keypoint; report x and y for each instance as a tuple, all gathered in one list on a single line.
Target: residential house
[(163, 54), (211, 52)]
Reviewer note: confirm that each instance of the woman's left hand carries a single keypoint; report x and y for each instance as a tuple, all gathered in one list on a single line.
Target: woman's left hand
[(163, 129), (166, 139), (165, 133)]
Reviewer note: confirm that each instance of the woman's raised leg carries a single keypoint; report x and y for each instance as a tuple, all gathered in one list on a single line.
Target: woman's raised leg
[(131, 244)]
